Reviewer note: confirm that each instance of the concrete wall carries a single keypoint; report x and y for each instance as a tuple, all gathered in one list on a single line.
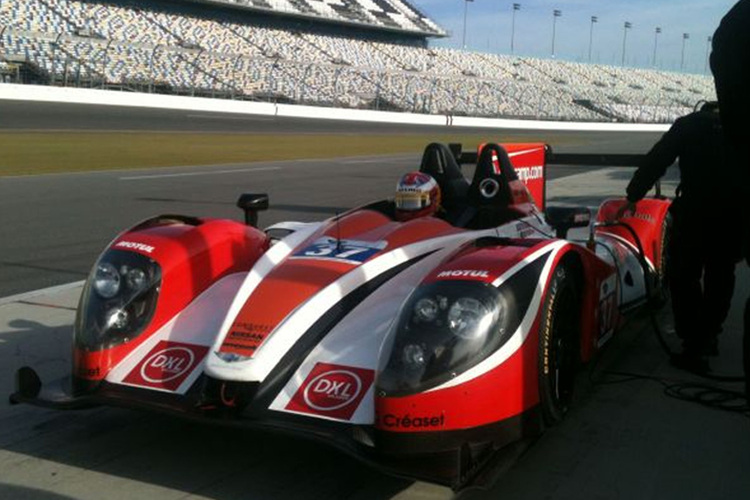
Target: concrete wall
[(158, 101)]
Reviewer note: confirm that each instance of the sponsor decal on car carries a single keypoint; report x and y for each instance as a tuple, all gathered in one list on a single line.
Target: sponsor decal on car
[(646, 217), (407, 421), (529, 173), (247, 336), (525, 230), (464, 273), (131, 245), (166, 366), (333, 391), (352, 251)]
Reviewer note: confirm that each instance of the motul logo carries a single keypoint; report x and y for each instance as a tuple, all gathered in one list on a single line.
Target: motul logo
[(464, 274), (332, 391), (167, 365), (135, 246)]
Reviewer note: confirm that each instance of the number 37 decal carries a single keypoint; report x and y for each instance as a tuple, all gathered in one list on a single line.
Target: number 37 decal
[(353, 251)]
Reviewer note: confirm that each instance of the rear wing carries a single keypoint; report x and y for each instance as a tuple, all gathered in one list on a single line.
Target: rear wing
[(530, 161)]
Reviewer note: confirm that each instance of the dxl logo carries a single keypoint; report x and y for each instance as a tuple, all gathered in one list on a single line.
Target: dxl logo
[(332, 391), (167, 366)]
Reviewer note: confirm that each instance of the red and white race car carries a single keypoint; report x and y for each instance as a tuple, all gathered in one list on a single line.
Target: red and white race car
[(420, 346)]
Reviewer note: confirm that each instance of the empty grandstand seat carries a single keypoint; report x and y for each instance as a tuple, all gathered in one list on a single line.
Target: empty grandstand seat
[(155, 45), (439, 162)]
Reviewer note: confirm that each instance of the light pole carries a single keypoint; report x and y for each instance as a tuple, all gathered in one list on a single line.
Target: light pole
[(708, 48), (466, 8), (657, 32), (555, 14), (516, 7), (594, 20), (685, 38), (625, 29)]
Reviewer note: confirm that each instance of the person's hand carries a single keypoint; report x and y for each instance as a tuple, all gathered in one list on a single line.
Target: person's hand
[(627, 208)]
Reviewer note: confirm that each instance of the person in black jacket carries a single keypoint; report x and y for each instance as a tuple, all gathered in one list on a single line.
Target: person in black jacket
[(703, 245), (730, 64)]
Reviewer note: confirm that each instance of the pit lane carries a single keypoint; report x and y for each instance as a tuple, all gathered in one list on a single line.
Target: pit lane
[(620, 441)]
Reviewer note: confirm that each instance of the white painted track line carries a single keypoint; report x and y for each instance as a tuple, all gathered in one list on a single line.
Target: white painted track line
[(193, 174)]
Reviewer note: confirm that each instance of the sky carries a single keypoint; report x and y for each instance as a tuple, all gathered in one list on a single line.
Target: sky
[(489, 29)]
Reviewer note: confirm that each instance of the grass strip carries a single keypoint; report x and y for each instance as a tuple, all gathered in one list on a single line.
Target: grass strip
[(33, 153)]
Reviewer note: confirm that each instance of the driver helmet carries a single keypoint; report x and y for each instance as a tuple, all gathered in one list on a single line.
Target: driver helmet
[(417, 195)]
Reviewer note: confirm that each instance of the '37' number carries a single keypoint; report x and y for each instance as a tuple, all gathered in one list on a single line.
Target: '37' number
[(335, 252)]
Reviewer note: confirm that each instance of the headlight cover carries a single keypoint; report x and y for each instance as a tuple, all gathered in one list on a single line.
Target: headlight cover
[(118, 300), (447, 327), (106, 280)]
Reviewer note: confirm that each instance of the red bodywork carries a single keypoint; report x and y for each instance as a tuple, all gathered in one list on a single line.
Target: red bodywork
[(192, 258), (647, 221)]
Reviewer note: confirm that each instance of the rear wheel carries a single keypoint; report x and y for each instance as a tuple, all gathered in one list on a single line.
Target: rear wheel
[(559, 345), (660, 295)]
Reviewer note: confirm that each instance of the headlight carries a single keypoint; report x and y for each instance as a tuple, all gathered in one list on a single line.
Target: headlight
[(118, 300), (136, 278), (447, 327), (469, 318), (117, 319), (414, 356), (426, 310), (106, 280)]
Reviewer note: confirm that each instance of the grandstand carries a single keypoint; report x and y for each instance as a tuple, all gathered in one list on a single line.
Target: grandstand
[(372, 54)]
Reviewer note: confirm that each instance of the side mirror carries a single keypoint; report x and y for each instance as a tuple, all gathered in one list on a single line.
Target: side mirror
[(564, 218), (251, 204)]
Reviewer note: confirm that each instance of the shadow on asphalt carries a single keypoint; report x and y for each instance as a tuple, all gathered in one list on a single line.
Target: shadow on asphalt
[(151, 452), (22, 493), (130, 454)]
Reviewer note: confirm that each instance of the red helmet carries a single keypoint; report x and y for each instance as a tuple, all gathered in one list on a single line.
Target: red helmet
[(417, 195)]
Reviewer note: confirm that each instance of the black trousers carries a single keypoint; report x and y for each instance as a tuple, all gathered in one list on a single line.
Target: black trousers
[(701, 277), (746, 349)]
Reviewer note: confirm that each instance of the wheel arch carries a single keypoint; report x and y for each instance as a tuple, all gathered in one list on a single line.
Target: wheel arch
[(586, 276), (573, 262), (560, 337)]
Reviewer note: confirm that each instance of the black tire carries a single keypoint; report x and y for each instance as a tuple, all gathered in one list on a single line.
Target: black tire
[(559, 345), (661, 293)]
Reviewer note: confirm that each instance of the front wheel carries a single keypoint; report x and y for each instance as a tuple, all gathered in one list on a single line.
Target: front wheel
[(558, 346)]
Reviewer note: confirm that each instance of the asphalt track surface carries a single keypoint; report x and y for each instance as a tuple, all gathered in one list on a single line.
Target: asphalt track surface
[(52, 227)]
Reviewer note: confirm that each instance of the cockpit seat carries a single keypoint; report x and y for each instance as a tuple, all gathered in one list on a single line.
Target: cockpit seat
[(439, 162), (489, 196)]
